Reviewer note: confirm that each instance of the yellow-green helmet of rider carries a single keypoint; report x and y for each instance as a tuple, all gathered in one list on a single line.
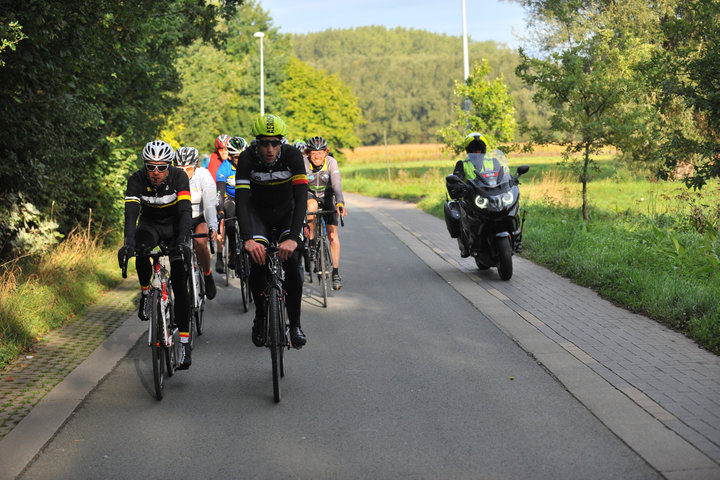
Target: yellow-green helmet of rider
[(475, 141), (269, 126)]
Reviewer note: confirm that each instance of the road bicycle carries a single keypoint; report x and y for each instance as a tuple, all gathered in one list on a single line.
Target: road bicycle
[(196, 289), (277, 329), (163, 333), (318, 257), (242, 263)]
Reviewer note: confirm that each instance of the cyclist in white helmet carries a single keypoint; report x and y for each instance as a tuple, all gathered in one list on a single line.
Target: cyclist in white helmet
[(159, 194), (204, 215)]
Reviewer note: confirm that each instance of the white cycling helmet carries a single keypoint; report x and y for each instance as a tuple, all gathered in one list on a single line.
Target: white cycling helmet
[(158, 151)]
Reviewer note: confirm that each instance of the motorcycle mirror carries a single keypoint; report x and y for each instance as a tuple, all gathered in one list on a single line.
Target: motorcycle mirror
[(523, 169)]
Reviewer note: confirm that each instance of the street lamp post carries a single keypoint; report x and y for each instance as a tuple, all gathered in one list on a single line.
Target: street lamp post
[(466, 62), (260, 35)]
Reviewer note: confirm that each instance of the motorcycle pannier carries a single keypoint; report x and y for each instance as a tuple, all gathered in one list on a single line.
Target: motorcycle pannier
[(452, 218)]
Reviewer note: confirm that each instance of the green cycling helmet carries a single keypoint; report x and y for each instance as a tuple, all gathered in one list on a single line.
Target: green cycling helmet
[(269, 126), (475, 141)]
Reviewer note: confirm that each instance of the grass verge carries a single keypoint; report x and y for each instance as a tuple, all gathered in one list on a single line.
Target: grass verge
[(40, 294)]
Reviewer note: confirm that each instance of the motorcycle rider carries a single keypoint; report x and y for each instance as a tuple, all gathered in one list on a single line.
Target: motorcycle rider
[(474, 142)]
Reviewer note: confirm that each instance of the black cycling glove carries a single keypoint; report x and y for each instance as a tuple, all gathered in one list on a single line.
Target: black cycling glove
[(124, 254)]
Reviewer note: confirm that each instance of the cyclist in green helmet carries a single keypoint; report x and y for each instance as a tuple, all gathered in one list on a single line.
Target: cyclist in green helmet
[(271, 193)]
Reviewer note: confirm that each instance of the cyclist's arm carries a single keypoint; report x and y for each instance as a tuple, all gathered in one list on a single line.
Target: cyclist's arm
[(242, 196), (132, 209), (209, 201), (300, 194), (184, 208), (336, 182)]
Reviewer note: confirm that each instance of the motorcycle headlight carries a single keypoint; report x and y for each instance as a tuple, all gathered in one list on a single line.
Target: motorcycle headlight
[(481, 202), (507, 198)]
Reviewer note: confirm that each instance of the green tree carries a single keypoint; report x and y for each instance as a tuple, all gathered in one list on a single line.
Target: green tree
[(492, 110), (91, 82), (221, 82), (586, 90), (684, 74), (319, 104)]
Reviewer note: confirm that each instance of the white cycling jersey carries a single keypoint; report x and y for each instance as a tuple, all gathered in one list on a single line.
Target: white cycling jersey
[(204, 196)]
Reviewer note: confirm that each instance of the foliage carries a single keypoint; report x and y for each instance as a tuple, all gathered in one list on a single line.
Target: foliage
[(221, 83), (10, 34), (90, 83), (685, 73), (492, 110), (405, 78), (586, 91), (674, 99), (319, 104), (23, 229)]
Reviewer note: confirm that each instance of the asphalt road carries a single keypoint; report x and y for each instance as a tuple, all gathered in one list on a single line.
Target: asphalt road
[(401, 378)]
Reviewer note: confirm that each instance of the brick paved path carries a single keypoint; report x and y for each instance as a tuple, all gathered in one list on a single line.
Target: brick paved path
[(662, 371), (27, 380)]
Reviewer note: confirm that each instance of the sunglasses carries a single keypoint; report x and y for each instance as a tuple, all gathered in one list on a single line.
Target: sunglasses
[(186, 167), (156, 168), (269, 143)]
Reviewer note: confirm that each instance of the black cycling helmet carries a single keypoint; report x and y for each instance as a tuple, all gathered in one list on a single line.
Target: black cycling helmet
[(158, 151), (317, 143), (236, 145), (186, 157)]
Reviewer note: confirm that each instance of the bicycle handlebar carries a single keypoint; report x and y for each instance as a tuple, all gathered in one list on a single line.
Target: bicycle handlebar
[(326, 212), (161, 249), (206, 235)]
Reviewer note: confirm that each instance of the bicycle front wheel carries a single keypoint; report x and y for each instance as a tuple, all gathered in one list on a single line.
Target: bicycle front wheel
[(157, 346), (274, 317), (244, 269), (323, 271)]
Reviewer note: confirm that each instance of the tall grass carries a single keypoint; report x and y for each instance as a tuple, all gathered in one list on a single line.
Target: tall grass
[(39, 294), (646, 247)]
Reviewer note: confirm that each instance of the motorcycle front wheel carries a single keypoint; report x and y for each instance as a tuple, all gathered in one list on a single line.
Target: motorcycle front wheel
[(504, 253)]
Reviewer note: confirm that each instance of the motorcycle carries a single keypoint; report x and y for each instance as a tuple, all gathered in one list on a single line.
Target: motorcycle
[(483, 214)]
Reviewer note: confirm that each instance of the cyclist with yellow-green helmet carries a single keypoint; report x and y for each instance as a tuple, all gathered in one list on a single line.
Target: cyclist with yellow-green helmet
[(271, 193)]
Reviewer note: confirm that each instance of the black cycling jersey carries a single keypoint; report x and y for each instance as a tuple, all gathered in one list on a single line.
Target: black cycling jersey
[(271, 190), (169, 203)]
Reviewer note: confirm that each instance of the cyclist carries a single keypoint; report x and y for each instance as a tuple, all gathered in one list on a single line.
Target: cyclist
[(159, 195), (271, 195), (226, 190), (205, 161), (300, 145), (216, 159), (203, 195), (325, 192)]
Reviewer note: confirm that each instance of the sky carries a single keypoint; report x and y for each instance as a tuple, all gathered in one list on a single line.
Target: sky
[(494, 20)]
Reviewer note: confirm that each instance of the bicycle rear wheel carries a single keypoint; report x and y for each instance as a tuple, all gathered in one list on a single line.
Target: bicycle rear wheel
[(171, 349), (323, 272), (275, 347), (226, 259), (200, 313), (157, 345)]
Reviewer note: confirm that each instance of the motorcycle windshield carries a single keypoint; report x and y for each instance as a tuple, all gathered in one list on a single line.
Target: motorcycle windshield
[(491, 169)]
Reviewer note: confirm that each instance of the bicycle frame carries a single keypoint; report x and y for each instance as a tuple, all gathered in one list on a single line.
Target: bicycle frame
[(161, 283)]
